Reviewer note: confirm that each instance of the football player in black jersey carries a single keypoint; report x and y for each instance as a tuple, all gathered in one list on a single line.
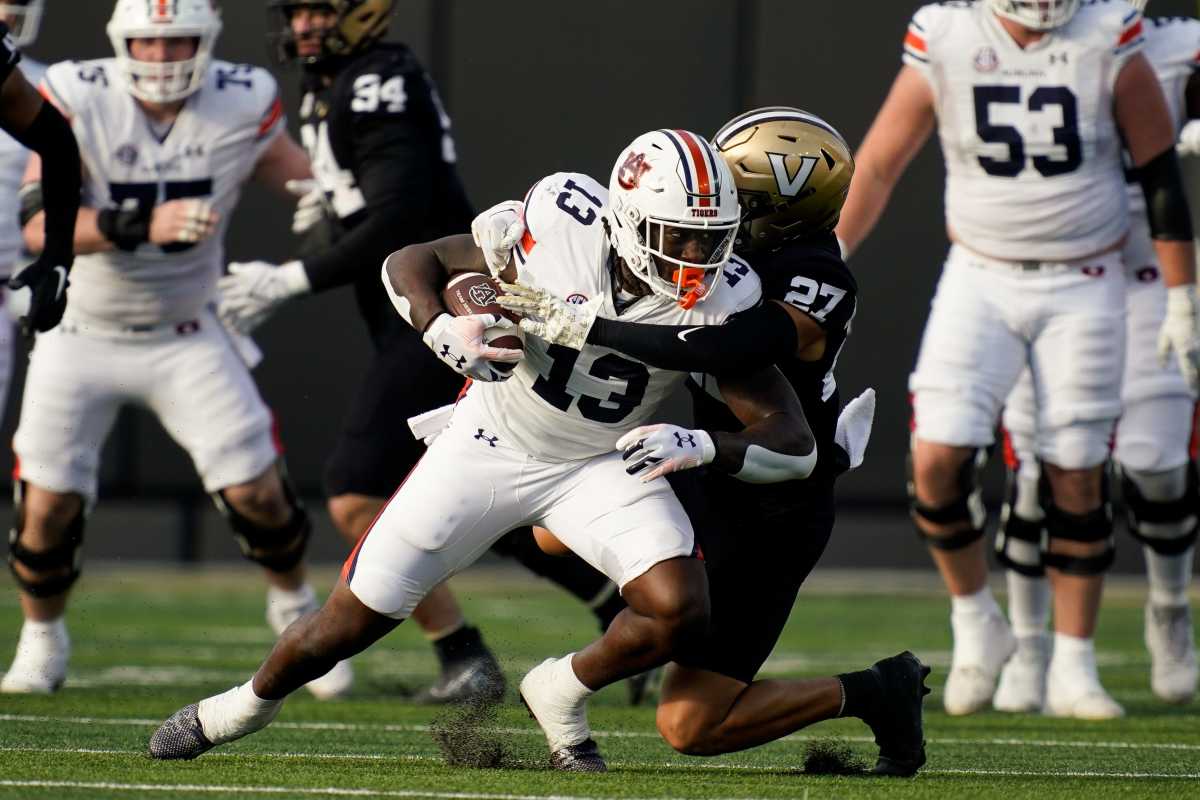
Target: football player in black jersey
[(39, 127), (760, 539), (385, 176)]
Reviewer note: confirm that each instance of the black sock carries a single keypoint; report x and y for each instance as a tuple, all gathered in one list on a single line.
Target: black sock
[(861, 691), (464, 643)]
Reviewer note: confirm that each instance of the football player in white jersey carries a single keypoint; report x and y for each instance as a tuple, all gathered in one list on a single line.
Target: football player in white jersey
[(168, 137), (1158, 479), (537, 445), (1032, 102)]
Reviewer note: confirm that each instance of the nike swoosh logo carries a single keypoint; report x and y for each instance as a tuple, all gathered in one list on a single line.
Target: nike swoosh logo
[(684, 334), (61, 272)]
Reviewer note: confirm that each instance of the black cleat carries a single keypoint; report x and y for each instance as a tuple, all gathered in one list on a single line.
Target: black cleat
[(582, 757), (471, 680), (181, 736), (898, 722)]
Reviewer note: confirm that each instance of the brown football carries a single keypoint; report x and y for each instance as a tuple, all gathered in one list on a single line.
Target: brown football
[(475, 293)]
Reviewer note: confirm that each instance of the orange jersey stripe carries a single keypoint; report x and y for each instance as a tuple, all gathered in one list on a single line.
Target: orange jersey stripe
[(1130, 34), (273, 115), (915, 42), (527, 242)]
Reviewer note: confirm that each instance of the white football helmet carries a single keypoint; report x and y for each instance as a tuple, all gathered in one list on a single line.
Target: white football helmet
[(174, 80), (1140, 5), (1037, 15), (25, 20), (673, 213)]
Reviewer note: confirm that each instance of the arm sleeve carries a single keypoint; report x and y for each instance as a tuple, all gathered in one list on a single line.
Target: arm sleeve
[(1166, 199), (10, 56), (753, 339), (395, 172), (62, 178)]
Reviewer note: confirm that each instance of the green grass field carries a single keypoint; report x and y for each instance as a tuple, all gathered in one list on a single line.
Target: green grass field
[(149, 641)]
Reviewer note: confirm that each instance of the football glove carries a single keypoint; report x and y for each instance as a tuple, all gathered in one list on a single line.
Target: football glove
[(458, 341), (253, 289), (1180, 332), (854, 427), (657, 450), (310, 208), (547, 317), (1189, 139), (497, 231), (47, 282)]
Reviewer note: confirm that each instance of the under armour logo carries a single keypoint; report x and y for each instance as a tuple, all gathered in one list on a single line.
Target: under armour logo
[(484, 437), (1056, 57), (446, 354), (681, 438)]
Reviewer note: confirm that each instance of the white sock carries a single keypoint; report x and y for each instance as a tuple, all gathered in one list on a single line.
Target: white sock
[(1074, 653), (981, 602), (53, 629), (1169, 577), (568, 683), (1028, 604), (235, 713), (291, 597)]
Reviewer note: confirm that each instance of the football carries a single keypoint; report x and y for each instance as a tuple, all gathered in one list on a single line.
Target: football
[(475, 293)]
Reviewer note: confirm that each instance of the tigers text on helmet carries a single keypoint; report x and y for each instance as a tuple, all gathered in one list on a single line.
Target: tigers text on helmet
[(169, 81), (25, 20), (673, 213), (792, 170), (1037, 15), (357, 25)]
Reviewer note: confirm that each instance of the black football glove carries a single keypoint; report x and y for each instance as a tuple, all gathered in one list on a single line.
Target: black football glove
[(47, 282)]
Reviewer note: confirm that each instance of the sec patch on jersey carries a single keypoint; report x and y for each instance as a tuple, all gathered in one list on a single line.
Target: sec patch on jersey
[(475, 293)]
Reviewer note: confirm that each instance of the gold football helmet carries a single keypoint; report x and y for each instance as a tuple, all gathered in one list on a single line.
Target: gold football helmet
[(359, 24), (792, 170)]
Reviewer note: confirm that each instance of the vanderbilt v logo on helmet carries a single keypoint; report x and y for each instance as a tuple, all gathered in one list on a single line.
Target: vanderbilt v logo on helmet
[(358, 24), (792, 171)]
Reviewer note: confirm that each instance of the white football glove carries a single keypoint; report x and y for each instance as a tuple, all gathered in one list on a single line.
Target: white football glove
[(1180, 332), (458, 341), (497, 231), (1189, 139), (663, 449), (310, 208), (252, 290), (547, 317), (854, 427)]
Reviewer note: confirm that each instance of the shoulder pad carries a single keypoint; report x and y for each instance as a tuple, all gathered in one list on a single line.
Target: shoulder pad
[(248, 95), (928, 26), (1173, 39), (741, 287), (562, 202), (73, 86), (1109, 24), (381, 81)]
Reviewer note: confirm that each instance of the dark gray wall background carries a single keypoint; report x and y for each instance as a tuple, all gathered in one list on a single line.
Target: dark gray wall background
[(539, 86)]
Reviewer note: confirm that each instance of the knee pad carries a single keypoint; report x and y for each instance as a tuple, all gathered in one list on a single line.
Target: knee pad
[(967, 507), (277, 549), (1167, 525), (1094, 526), (1020, 541), (63, 560)]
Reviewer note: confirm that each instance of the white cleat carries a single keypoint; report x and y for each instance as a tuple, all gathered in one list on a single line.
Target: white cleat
[(1172, 645), (982, 643), (40, 665), (563, 720), (1022, 688), (1077, 693), (284, 608)]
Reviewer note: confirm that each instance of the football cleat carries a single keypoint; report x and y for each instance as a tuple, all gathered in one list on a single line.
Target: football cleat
[(563, 721), (40, 663), (284, 608), (477, 679), (1022, 686), (582, 757), (1075, 692), (898, 723), (982, 643), (1171, 642), (181, 736)]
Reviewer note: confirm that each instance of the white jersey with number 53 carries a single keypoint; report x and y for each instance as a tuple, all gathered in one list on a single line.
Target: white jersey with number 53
[(208, 153), (563, 404), (1032, 149)]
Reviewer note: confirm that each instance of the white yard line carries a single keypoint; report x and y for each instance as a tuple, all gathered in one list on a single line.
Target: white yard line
[(600, 734)]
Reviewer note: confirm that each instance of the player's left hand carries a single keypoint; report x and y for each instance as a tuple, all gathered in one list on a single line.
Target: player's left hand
[(1180, 332), (854, 428), (657, 450), (253, 289), (1189, 139), (47, 282), (497, 231), (547, 317), (310, 207)]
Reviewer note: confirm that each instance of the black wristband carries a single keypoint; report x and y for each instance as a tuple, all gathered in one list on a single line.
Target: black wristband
[(124, 227)]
